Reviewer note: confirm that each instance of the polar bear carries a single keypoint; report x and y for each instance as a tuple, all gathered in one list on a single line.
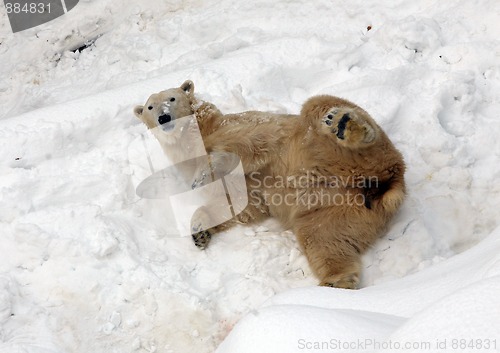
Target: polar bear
[(330, 174), (164, 115)]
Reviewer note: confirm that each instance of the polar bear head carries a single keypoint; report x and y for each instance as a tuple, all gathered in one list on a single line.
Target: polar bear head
[(162, 109)]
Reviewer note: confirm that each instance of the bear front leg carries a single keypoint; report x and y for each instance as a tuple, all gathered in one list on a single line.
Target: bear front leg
[(255, 144), (206, 221), (208, 117), (201, 230), (219, 165)]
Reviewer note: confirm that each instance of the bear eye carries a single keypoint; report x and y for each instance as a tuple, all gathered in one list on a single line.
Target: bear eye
[(150, 107), (172, 99)]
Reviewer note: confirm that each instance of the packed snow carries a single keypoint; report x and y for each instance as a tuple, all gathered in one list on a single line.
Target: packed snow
[(451, 307), (86, 265)]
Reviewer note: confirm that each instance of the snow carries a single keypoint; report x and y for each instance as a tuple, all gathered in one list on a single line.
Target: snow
[(86, 265), (455, 300)]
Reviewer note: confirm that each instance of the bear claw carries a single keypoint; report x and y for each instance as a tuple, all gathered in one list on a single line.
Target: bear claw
[(347, 282), (350, 127), (199, 181), (201, 239)]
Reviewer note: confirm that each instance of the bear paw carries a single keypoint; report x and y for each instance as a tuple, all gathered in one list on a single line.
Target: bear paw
[(220, 164), (351, 127), (346, 281), (200, 227), (203, 178), (201, 239)]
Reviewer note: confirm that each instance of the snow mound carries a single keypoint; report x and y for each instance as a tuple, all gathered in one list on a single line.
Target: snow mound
[(453, 306)]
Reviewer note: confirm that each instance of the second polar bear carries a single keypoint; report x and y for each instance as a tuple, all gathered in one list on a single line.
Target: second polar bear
[(330, 174)]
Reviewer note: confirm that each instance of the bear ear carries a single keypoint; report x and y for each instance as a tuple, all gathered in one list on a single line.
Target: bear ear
[(138, 110), (188, 87)]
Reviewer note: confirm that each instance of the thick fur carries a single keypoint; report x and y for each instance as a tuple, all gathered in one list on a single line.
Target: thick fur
[(173, 140), (333, 152), (176, 141)]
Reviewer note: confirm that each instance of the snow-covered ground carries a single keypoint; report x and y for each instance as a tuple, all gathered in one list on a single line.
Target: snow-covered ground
[(87, 266)]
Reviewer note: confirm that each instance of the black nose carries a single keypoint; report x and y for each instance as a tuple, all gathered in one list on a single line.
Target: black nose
[(165, 118)]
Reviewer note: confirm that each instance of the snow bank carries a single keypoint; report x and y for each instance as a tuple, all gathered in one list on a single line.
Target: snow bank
[(87, 266), (450, 307)]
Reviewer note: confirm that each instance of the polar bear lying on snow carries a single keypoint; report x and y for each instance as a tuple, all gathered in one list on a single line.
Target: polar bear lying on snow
[(330, 174)]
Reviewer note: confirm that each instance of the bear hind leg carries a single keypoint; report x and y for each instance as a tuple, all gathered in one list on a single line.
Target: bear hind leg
[(336, 261)]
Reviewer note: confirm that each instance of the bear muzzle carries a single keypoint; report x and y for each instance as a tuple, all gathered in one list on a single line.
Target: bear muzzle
[(165, 118), (165, 122)]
